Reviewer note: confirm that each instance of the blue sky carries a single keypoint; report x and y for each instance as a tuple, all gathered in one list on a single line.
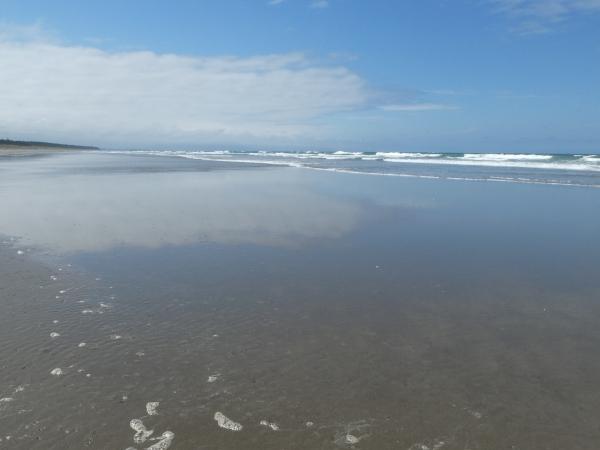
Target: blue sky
[(462, 75)]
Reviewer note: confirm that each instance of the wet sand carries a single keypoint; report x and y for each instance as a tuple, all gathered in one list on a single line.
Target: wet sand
[(234, 307), (16, 151)]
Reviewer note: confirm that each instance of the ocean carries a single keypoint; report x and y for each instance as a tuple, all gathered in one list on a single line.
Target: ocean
[(561, 169)]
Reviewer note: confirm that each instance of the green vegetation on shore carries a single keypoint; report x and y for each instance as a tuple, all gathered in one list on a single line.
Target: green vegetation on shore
[(11, 143)]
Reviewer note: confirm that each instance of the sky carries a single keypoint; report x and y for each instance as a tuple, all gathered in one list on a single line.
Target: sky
[(356, 75)]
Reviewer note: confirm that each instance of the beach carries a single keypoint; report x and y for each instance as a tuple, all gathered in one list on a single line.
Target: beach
[(158, 301)]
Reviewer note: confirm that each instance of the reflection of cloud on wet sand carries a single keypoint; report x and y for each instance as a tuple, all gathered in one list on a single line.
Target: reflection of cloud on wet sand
[(85, 213)]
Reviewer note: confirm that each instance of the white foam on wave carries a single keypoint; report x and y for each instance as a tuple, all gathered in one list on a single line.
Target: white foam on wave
[(56, 372), (523, 164), (213, 378), (54, 334), (407, 155), (81, 344), (594, 159), (141, 432), (151, 408), (506, 157), (226, 423)]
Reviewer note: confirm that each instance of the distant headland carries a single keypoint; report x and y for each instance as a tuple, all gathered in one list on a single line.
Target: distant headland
[(11, 143)]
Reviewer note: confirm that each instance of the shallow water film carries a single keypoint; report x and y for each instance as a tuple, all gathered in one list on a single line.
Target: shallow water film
[(152, 302)]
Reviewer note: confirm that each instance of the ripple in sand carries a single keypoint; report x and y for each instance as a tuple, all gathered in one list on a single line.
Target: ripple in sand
[(226, 423)]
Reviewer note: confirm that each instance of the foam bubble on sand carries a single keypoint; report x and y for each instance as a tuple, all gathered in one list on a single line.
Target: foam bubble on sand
[(165, 441), (436, 445), (347, 436), (56, 372), (310, 424), (54, 334), (81, 344), (115, 337), (225, 422), (151, 408), (213, 378), (273, 426), (475, 414), (141, 432), (351, 439)]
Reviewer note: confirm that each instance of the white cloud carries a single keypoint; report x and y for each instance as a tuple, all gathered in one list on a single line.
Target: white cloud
[(275, 2), (417, 107), (541, 16), (51, 90)]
